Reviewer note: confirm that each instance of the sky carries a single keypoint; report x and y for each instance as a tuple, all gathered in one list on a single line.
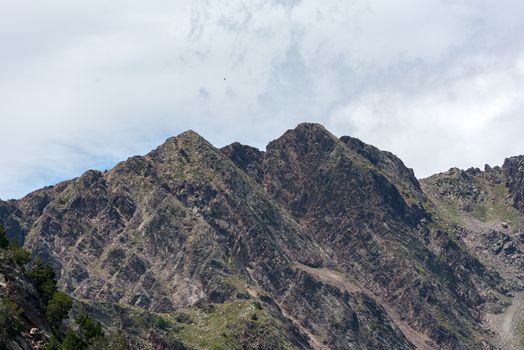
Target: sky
[(85, 84)]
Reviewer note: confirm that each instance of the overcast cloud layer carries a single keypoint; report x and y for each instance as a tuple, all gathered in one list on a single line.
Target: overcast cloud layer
[(86, 84)]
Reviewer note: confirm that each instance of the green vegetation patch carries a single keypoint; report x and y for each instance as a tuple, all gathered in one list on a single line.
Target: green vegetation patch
[(221, 325), (9, 318), (520, 332)]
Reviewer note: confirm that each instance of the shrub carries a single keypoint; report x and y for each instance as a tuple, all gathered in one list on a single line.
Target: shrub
[(118, 342), (4, 242), (183, 318), (9, 315), (54, 344), (58, 308), (72, 341), (19, 255), (44, 277), (88, 328), (88, 337), (111, 342)]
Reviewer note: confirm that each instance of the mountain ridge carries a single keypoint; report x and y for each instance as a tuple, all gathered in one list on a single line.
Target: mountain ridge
[(338, 241)]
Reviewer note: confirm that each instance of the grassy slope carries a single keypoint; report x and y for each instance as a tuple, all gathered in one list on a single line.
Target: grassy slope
[(207, 326), (459, 199)]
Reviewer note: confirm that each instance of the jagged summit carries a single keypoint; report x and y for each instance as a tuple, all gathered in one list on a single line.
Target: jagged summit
[(188, 141), (308, 127), (306, 135)]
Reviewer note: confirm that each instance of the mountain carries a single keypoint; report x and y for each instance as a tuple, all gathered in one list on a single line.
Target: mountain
[(318, 242)]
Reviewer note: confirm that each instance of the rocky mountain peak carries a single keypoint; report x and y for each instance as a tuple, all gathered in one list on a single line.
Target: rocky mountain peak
[(306, 137), (185, 144)]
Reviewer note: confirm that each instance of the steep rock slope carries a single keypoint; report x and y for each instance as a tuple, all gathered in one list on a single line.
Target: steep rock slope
[(376, 236)]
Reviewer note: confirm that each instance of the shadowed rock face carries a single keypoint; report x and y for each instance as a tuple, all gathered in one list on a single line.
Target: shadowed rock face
[(336, 238), (514, 167), (246, 158), (10, 216), (391, 166)]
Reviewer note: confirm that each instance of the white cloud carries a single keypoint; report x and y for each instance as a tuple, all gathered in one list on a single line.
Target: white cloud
[(87, 84), (460, 120)]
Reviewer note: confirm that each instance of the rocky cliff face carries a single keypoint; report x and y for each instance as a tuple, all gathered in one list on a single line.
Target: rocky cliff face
[(318, 242), (21, 308), (514, 168)]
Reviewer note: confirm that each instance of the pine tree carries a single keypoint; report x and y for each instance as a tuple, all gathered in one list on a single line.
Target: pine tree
[(4, 242)]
